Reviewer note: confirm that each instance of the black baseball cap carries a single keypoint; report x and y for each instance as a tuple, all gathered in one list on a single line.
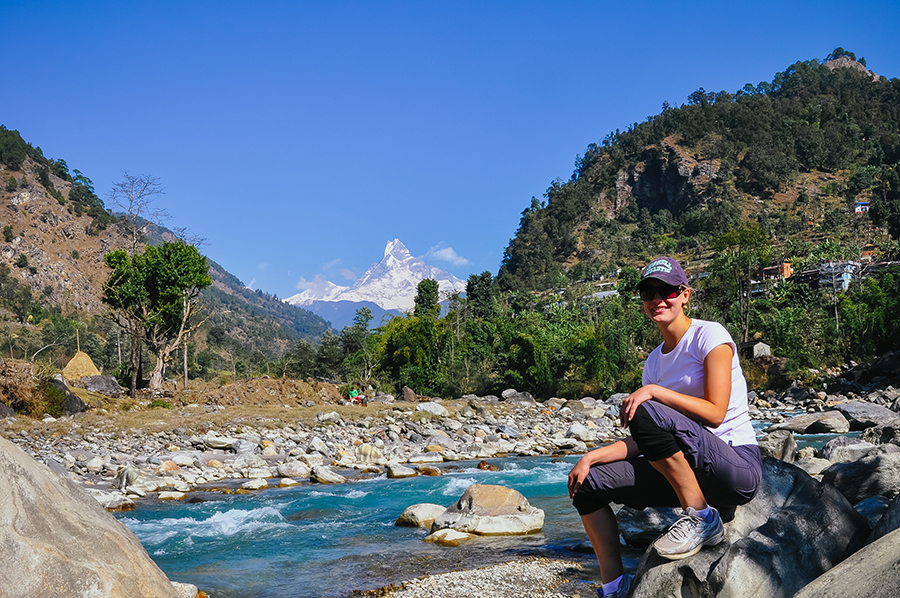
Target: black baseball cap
[(666, 269)]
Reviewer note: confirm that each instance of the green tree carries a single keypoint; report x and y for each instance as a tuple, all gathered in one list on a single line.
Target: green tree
[(154, 297), (426, 305), (628, 280), (8, 233)]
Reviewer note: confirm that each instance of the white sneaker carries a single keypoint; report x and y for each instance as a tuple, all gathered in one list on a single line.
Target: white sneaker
[(689, 534)]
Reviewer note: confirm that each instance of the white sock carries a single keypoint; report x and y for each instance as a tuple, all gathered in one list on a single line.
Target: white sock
[(609, 588)]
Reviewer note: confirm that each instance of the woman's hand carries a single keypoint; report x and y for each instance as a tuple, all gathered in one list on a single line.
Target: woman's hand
[(578, 475), (632, 401)]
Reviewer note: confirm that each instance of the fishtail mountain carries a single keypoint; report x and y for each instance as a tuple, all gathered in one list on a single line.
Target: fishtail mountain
[(810, 151)]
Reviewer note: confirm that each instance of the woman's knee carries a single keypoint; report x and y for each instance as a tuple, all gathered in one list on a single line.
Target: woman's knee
[(655, 442)]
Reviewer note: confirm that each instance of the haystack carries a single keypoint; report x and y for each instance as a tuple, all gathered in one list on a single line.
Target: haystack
[(79, 367)]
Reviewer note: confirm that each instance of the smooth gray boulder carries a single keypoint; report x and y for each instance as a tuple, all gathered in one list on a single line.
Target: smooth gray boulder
[(870, 476), (793, 531), (889, 521), (872, 572), (433, 408), (420, 515), (843, 449), (6, 411), (489, 510), (104, 385), (828, 422), (323, 475), (780, 445), (873, 509), (56, 540), (862, 415)]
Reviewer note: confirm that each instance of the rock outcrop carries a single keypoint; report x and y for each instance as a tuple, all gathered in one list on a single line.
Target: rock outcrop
[(58, 541), (792, 532)]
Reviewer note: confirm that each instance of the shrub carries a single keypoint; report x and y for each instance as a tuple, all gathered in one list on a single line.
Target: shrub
[(75, 254), (160, 403), (22, 262), (11, 184), (8, 233), (54, 401)]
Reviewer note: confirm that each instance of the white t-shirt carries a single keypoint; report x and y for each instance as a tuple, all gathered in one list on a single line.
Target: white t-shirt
[(681, 370)]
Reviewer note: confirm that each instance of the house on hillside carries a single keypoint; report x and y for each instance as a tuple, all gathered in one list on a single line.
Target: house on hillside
[(837, 276), (862, 207)]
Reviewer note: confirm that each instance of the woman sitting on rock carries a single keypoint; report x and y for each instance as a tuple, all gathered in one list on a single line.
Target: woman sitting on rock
[(691, 443)]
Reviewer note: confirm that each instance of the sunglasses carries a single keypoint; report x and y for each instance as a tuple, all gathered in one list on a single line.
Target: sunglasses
[(663, 291)]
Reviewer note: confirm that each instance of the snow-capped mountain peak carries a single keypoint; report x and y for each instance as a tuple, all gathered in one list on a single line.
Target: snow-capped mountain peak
[(390, 283)]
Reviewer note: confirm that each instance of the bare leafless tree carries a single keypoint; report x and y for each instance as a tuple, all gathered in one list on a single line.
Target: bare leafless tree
[(134, 195)]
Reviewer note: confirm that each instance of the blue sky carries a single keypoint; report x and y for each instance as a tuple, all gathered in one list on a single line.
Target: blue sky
[(299, 137)]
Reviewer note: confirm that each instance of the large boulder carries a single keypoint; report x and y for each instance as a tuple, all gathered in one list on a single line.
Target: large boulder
[(876, 474), (862, 415), (104, 385), (888, 433), (828, 422), (872, 572), (793, 531), (780, 445), (420, 515), (6, 411), (58, 541), (843, 449), (73, 404), (889, 521), (489, 510), (433, 408)]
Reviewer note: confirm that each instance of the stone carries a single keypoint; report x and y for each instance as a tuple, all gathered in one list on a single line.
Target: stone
[(73, 403), (520, 397), (127, 476), (185, 590), (293, 469), (872, 508), (331, 417), (95, 465), (827, 422), (112, 501), (429, 470), (509, 431), (420, 515), (183, 460), (255, 484), (408, 395), (780, 445), (433, 409), (580, 432), (167, 495), (870, 476), (862, 415), (287, 482), (640, 528), (889, 521), (888, 433), (6, 411), (813, 465), (490, 510), (242, 445), (843, 449), (367, 453), (425, 458), (395, 470), (448, 537), (323, 475), (214, 441), (104, 385), (872, 572), (794, 530), (317, 445)]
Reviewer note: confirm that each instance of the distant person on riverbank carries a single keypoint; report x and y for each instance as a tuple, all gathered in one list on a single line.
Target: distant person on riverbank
[(691, 437)]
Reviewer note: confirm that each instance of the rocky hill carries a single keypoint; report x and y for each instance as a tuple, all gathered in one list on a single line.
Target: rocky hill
[(56, 232), (795, 155)]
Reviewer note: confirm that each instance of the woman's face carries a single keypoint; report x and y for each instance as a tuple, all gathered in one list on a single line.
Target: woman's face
[(663, 303)]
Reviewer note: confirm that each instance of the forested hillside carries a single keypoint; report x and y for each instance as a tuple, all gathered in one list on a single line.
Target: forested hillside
[(794, 155), (56, 231)]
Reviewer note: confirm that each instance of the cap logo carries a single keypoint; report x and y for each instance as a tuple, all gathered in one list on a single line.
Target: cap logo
[(658, 266)]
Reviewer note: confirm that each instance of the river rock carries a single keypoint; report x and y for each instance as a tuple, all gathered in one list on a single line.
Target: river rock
[(813, 465), (641, 527), (870, 476), (843, 449), (888, 433), (367, 453), (169, 495), (255, 484), (433, 408), (6, 410), (889, 521), (395, 470), (323, 475), (293, 469), (828, 422), (420, 515), (448, 537), (214, 441), (243, 446), (246, 461), (780, 445), (57, 540), (520, 397), (112, 501), (580, 432), (873, 509), (794, 530), (872, 572), (104, 385), (862, 415), (490, 510), (409, 395), (185, 590)]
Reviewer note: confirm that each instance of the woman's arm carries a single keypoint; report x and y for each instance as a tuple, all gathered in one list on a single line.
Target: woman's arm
[(709, 410), (617, 451)]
